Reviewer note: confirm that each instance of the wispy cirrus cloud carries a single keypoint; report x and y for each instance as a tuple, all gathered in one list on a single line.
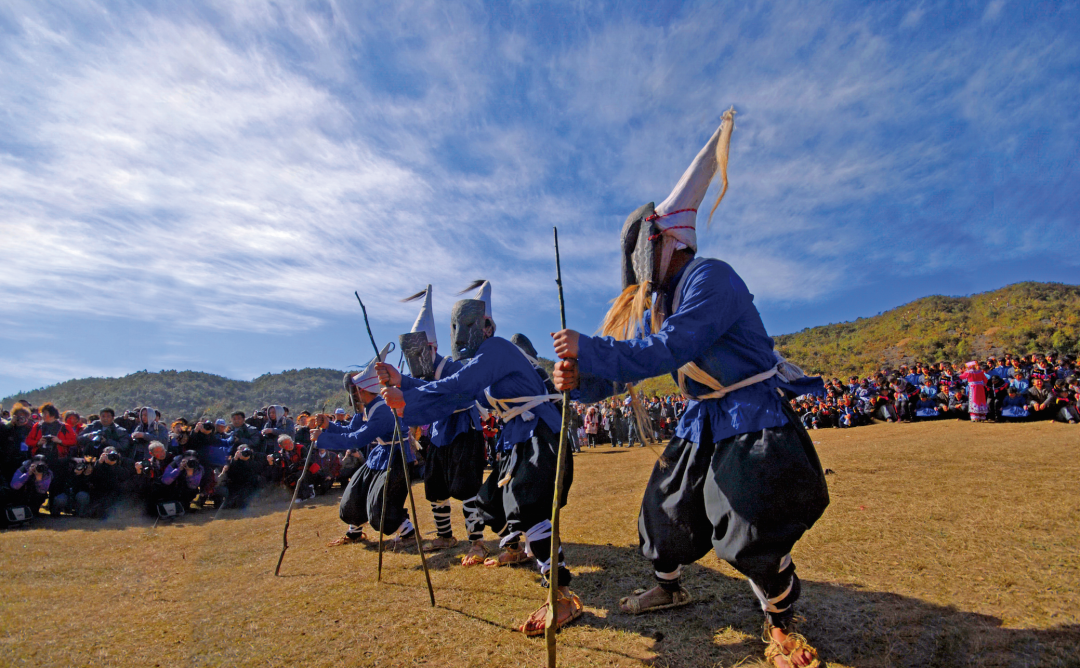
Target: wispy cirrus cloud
[(247, 164)]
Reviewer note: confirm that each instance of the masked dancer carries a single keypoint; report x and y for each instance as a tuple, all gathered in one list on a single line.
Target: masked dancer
[(454, 465), (516, 498), (363, 497), (740, 476)]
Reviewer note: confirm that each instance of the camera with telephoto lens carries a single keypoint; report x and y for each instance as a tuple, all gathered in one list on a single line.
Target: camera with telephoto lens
[(244, 452)]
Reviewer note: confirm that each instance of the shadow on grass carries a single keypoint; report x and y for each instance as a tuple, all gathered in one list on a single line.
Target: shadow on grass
[(848, 624)]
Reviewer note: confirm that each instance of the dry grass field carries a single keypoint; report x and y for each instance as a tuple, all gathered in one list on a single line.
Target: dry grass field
[(946, 544)]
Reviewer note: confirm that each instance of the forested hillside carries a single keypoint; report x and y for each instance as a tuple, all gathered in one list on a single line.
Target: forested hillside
[(194, 394), (1021, 318)]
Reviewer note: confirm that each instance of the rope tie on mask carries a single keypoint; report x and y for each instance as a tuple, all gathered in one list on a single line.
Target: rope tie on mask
[(657, 216)]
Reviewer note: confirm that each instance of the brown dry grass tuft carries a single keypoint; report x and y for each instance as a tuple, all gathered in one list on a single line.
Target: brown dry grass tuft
[(945, 545)]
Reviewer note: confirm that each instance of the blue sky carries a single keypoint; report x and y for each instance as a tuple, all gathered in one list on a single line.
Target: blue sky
[(203, 185)]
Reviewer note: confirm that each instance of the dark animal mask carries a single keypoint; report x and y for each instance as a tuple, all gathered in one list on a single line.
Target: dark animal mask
[(467, 321), (640, 242), (419, 355), (523, 342)]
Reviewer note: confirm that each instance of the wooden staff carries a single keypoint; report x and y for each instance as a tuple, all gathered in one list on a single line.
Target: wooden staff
[(560, 470), (408, 483), (288, 516)]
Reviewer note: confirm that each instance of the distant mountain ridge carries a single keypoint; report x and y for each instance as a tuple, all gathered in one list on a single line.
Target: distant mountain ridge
[(194, 394), (1020, 318)]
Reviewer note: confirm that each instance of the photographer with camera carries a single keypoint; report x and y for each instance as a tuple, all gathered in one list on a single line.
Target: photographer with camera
[(51, 437), (57, 442), (103, 433), (239, 480), (30, 484), (149, 472), (286, 468), (242, 433), (179, 436), (13, 434), (148, 430), (211, 445), (107, 481), (184, 475), (74, 499)]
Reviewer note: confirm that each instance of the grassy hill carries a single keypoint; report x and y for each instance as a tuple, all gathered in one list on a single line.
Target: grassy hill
[(1021, 318), (194, 394)]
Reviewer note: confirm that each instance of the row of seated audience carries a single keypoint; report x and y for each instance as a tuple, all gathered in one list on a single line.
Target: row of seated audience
[(1006, 389), (1002, 389), (89, 468)]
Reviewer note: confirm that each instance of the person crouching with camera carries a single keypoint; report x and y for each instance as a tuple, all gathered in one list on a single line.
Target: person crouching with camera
[(286, 468), (108, 479), (30, 484), (184, 476), (74, 497), (149, 474), (239, 479)]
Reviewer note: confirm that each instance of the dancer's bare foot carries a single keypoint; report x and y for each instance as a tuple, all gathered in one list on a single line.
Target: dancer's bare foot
[(790, 650)]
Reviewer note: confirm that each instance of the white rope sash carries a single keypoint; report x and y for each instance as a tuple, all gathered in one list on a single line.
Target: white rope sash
[(506, 411), (785, 369)]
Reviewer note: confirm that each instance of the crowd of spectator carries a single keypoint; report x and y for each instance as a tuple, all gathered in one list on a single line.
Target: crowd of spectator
[(1009, 388), (88, 467), (66, 464), (613, 422)]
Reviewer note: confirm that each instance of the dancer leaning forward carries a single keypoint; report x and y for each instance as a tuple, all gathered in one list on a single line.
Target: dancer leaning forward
[(371, 430), (455, 452), (516, 498), (741, 475)]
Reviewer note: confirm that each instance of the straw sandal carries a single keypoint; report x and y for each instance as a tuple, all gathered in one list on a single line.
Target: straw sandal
[(440, 543), (406, 543), (795, 642), (507, 558), (632, 604), (576, 610), (471, 558), (347, 540)]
